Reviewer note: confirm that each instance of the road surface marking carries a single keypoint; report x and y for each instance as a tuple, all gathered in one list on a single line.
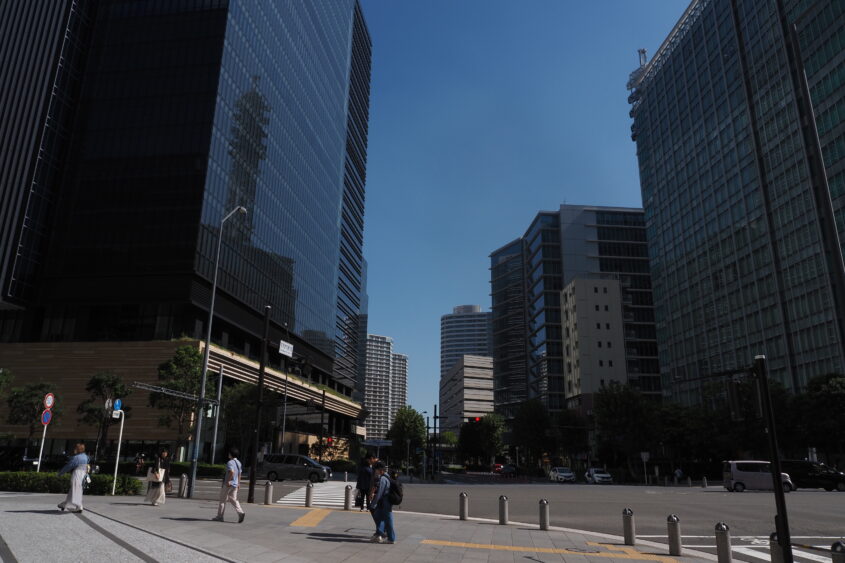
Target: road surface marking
[(311, 519), (617, 552), (330, 493)]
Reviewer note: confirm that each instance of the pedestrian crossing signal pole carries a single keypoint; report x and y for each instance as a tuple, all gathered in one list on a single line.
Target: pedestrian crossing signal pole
[(781, 521)]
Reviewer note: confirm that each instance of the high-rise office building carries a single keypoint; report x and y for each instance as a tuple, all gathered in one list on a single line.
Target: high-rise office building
[(533, 353), (146, 124), (738, 124), (466, 391), (385, 385), (466, 331)]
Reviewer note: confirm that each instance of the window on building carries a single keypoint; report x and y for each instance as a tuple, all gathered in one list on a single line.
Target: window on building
[(610, 344), (607, 326), (601, 363), (605, 289), (605, 308), (597, 307)]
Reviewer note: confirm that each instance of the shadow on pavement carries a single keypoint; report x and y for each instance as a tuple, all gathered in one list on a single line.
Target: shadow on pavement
[(55, 511), (186, 519), (340, 538), (131, 503)]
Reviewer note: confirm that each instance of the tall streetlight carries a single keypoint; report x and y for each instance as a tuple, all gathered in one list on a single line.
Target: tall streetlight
[(198, 435)]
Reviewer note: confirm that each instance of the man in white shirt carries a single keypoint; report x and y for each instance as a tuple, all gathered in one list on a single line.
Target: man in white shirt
[(231, 483)]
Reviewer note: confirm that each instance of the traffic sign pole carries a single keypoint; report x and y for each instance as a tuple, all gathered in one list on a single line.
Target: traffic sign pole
[(46, 417), (117, 459), (41, 450)]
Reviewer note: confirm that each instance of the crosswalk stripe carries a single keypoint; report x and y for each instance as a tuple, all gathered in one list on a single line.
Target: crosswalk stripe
[(331, 494)]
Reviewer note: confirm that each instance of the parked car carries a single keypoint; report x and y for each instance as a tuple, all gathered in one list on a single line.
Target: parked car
[(812, 475), (598, 476), (288, 466), (741, 475), (497, 468), (561, 475)]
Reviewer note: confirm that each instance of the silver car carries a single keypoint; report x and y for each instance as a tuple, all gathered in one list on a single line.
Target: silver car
[(278, 467)]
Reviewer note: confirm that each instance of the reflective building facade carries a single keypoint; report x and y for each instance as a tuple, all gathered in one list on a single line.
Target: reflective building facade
[(186, 110), (742, 170), (466, 331)]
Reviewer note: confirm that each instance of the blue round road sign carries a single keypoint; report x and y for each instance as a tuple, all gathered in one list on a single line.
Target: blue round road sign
[(117, 404), (46, 417)]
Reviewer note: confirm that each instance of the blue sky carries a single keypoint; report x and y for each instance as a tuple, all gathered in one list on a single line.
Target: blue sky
[(483, 112)]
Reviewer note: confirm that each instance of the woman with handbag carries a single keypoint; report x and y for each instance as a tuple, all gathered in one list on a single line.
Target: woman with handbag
[(155, 482)]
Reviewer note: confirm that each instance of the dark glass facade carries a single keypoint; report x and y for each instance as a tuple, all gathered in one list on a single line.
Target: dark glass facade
[(188, 109), (740, 220), (508, 325)]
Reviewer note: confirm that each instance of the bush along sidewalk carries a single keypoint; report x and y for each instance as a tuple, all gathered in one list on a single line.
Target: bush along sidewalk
[(29, 482), (176, 468)]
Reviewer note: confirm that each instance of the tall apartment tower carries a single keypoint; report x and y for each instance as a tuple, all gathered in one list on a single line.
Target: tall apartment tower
[(466, 331), (129, 129), (533, 345), (385, 386), (738, 124)]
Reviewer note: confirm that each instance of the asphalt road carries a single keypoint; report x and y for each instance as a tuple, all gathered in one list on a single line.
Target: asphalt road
[(815, 516)]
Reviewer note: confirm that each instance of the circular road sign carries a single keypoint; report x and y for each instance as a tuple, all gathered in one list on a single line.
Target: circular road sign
[(49, 401), (46, 417), (117, 404)]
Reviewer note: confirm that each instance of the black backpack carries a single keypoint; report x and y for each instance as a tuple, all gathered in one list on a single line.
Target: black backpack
[(394, 494)]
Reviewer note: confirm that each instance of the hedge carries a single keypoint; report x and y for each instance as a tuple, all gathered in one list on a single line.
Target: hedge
[(176, 468), (341, 465), (30, 482)]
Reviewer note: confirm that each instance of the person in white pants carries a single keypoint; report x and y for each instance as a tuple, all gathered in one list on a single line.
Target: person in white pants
[(78, 467), (231, 483)]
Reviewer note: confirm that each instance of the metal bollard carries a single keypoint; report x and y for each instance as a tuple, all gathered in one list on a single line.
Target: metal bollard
[(347, 499), (544, 514), (183, 485), (463, 506), (673, 523), (775, 551), (503, 510), (723, 543), (309, 492), (689, 481), (268, 493), (837, 552), (629, 529), (704, 482)]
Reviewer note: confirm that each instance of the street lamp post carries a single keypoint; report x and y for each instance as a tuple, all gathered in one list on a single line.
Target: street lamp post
[(203, 374)]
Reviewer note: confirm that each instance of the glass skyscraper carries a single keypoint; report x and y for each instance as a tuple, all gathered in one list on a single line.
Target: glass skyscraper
[(742, 170), (530, 347), (465, 331), (186, 110)]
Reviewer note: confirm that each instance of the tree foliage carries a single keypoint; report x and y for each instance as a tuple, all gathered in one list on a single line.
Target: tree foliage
[(179, 373), (407, 425), (25, 405), (531, 430), (482, 440), (92, 411), (6, 379)]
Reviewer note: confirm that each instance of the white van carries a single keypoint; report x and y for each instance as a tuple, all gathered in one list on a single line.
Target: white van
[(754, 475)]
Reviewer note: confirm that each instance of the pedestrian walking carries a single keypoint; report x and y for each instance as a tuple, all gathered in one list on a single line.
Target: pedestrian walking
[(77, 466), (364, 482), (381, 505), (156, 479), (229, 490)]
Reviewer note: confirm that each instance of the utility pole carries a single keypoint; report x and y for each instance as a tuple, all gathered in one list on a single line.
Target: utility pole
[(262, 365)]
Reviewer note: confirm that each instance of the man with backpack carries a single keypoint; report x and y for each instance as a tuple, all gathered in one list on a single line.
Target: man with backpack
[(385, 494)]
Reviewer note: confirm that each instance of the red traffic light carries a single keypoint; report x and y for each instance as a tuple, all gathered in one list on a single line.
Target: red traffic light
[(329, 440), (478, 419)]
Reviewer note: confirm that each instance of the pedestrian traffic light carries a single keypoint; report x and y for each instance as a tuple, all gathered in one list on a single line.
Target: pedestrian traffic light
[(329, 440), (478, 419)]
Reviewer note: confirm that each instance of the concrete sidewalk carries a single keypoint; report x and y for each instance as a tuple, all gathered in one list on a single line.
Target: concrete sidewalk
[(182, 530)]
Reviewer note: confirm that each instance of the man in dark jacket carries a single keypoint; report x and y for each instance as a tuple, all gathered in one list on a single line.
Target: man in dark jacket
[(364, 482)]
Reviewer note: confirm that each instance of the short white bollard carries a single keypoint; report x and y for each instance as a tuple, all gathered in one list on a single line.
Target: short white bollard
[(544, 514), (347, 499), (309, 492), (837, 552), (268, 493), (673, 523), (704, 482), (629, 530), (183, 485), (503, 510), (463, 506), (723, 543)]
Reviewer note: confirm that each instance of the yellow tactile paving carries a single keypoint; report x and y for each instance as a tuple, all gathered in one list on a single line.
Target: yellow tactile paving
[(617, 552), (312, 518)]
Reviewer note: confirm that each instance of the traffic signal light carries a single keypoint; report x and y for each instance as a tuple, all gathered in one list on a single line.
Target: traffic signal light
[(478, 419), (329, 440)]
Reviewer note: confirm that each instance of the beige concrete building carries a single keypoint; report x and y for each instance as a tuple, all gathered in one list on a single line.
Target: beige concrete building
[(466, 391)]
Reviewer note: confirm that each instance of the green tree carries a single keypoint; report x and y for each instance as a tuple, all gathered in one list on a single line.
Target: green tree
[(6, 379), (179, 373), (626, 424), (238, 415), (570, 429), (531, 430), (407, 432), (25, 405), (448, 438), (482, 439), (102, 386), (823, 413)]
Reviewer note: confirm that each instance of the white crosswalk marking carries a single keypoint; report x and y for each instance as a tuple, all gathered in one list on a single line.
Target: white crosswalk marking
[(796, 553), (329, 494)]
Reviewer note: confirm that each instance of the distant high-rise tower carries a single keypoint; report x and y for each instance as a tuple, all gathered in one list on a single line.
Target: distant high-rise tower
[(740, 133), (467, 331), (385, 386)]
